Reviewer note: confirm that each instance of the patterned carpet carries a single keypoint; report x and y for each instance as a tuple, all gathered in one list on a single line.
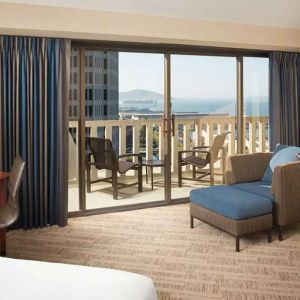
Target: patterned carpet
[(184, 263)]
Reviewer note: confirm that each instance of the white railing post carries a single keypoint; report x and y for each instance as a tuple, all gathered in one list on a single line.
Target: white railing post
[(149, 140), (122, 139), (232, 136), (198, 132), (262, 135), (252, 135)]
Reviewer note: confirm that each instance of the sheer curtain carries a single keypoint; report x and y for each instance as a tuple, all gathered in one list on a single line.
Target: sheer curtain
[(34, 79)]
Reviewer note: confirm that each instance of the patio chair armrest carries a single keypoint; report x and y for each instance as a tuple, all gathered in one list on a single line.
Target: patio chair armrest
[(194, 151), (286, 191), (246, 167), (138, 155), (201, 147)]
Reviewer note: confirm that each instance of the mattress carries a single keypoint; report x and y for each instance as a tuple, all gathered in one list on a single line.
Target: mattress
[(33, 280)]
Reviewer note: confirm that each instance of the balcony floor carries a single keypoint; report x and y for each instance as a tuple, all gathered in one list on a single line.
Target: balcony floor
[(101, 195)]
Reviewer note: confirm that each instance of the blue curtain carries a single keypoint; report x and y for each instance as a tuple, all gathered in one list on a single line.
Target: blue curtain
[(34, 79), (284, 99)]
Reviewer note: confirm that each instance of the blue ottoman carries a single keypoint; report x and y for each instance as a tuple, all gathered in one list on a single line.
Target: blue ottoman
[(232, 210)]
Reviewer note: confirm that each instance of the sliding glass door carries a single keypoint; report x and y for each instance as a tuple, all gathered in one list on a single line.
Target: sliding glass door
[(204, 105), (161, 107), (121, 101)]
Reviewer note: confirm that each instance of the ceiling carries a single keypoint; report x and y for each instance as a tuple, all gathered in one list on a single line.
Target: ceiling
[(275, 13)]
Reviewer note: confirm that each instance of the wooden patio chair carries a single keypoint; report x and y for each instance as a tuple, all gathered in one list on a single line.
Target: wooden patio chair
[(207, 156), (105, 158)]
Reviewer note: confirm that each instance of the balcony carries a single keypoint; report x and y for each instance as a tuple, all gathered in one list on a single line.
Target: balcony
[(146, 136)]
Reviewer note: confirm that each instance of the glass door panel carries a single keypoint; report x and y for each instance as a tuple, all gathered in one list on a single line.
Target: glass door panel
[(203, 90), (256, 104), (124, 103), (73, 180)]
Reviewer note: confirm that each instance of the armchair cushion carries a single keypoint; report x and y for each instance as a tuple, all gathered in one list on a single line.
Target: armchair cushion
[(230, 202), (282, 154), (260, 188)]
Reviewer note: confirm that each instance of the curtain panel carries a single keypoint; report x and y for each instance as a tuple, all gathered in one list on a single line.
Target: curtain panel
[(34, 86), (284, 99)]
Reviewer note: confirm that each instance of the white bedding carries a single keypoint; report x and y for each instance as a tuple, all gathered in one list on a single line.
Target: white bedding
[(33, 280)]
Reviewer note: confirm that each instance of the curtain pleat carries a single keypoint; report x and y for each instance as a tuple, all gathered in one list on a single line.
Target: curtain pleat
[(284, 99), (34, 123)]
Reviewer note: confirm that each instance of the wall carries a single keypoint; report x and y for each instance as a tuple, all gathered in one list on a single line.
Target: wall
[(20, 19)]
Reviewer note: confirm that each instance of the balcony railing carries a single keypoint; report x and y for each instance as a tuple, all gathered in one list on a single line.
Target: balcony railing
[(146, 136)]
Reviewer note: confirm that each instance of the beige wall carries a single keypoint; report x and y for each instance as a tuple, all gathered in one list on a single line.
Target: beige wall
[(85, 24)]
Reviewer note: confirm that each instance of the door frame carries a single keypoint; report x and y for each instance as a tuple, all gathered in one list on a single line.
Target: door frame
[(167, 50)]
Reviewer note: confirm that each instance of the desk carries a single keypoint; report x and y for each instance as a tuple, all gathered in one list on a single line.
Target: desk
[(152, 164), (3, 187)]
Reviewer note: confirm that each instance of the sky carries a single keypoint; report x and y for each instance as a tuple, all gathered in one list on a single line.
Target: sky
[(193, 77)]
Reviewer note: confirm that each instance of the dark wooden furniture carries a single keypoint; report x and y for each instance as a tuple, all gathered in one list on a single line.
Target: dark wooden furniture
[(150, 164), (9, 212), (201, 157), (105, 158)]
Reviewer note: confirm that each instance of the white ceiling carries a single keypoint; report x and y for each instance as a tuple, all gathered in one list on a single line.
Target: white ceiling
[(275, 13)]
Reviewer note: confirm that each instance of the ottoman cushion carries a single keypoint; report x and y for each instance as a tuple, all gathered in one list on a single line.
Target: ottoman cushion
[(261, 188), (230, 202)]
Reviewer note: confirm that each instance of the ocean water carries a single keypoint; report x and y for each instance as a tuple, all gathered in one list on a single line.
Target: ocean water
[(258, 108)]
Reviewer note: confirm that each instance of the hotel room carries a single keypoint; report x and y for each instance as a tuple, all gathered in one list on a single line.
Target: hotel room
[(149, 150)]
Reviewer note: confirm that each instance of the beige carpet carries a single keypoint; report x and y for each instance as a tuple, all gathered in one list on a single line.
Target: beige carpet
[(184, 263)]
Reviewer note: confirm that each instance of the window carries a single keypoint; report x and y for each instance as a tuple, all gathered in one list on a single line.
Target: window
[(74, 61), (90, 78), (90, 61), (89, 94), (75, 78)]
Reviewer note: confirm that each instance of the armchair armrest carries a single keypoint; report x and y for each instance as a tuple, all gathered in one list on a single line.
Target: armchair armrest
[(246, 167), (286, 190)]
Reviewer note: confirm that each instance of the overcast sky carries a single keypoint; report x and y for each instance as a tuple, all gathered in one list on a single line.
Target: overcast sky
[(193, 76)]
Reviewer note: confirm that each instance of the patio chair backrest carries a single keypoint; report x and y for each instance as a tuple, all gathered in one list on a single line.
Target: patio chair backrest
[(217, 145), (103, 153)]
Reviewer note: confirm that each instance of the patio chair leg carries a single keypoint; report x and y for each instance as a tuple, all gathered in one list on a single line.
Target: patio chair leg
[(179, 174), (115, 184), (140, 178), (3, 242), (192, 222), (269, 235), (237, 244), (280, 233), (194, 172), (88, 179)]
